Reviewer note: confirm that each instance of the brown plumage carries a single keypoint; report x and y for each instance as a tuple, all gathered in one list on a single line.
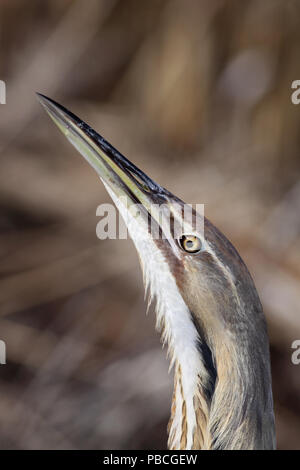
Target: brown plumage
[(208, 310)]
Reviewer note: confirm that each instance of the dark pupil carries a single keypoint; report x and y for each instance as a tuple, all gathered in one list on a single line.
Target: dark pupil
[(189, 243)]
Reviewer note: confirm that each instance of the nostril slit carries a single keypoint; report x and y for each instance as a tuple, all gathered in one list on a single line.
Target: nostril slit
[(140, 182)]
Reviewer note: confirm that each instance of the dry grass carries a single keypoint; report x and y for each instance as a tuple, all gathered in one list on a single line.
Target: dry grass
[(199, 97)]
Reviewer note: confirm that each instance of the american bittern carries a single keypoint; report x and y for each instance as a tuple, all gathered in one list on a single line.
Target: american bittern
[(208, 310)]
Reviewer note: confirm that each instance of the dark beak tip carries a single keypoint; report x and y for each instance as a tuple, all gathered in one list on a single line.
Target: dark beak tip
[(43, 100), (41, 97)]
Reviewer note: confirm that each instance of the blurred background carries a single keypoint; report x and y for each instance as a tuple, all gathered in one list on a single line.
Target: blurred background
[(197, 93)]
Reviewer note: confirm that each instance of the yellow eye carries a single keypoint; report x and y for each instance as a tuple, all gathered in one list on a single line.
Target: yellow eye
[(190, 243)]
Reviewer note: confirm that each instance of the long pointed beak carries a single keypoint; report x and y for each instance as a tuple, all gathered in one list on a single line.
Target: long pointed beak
[(122, 179), (122, 176)]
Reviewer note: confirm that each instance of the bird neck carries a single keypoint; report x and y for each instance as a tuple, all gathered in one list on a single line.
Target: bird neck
[(228, 405), (222, 395)]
